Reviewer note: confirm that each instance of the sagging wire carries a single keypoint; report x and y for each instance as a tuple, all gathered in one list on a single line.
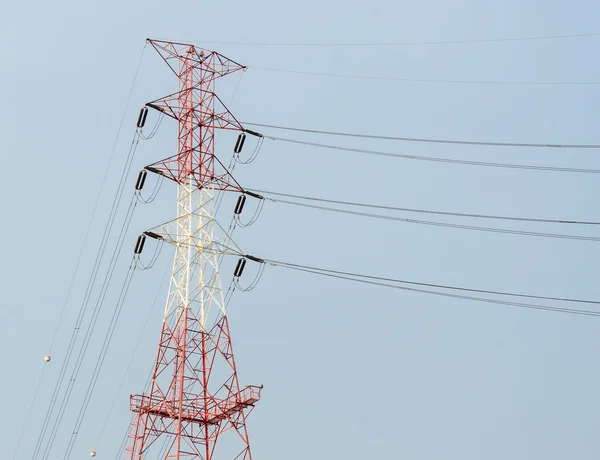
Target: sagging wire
[(139, 185), (442, 224), (139, 246), (439, 159), (417, 287), (142, 121), (90, 330), (239, 207), (85, 303), (240, 144), (239, 269), (129, 365), (101, 357)]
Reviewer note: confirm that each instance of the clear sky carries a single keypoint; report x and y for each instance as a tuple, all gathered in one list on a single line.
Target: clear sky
[(350, 371)]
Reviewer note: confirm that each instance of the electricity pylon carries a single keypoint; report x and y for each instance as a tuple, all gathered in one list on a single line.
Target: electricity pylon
[(194, 396)]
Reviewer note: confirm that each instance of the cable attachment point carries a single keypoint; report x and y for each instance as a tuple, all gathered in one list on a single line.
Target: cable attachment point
[(239, 269), (139, 245), (253, 133), (156, 236), (239, 144), (154, 170), (240, 206), (141, 180), (254, 195), (255, 259), (155, 107), (141, 121)]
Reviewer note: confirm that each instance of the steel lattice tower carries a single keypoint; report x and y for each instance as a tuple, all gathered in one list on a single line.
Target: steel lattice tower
[(194, 396)]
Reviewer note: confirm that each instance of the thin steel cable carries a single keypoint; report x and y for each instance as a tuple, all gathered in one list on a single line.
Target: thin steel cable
[(254, 282), (440, 160), (443, 224), (427, 211), (83, 246), (406, 43), (438, 286), (431, 141), (123, 445), (157, 186), (572, 311), (432, 80), (90, 329), (154, 130), (133, 354), (88, 292), (101, 357), (254, 217)]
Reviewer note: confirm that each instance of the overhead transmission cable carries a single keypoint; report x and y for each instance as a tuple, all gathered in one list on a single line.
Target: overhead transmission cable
[(431, 80), (408, 43), (83, 246), (91, 326), (439, 160), (133, 354), (437, 223), (429, 140), (402, 285), (101, 357), (428, 211), (433, 285), (87, 296), (135, 263)]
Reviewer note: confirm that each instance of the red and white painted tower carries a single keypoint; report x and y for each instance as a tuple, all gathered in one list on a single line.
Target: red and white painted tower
[(194, 396)]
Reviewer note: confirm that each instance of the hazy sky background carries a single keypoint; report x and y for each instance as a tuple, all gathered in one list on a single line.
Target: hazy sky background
[(350, 371)]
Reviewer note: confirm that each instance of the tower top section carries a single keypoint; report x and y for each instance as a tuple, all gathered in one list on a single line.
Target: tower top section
[(198, 111), (180, 57)]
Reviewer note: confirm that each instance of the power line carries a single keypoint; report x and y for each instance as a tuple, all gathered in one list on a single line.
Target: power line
[(444, 224), (431, 141), (440, 286), (406, 43), (385, 282), (428, 211), (84, 244), (440, 160), (81, 315), (433, 80)]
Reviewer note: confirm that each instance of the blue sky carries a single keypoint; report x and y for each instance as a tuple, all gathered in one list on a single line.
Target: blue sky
[(350, 371)]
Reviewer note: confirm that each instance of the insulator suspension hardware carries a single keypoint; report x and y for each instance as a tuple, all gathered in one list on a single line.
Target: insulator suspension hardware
[(239, 268), (239, 145), (255, 259), (254, 195), (141, 180), (240, 204), (154, 170), (139, 245), (141, 121), (156, 236), (253, 133), (155, 107)]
